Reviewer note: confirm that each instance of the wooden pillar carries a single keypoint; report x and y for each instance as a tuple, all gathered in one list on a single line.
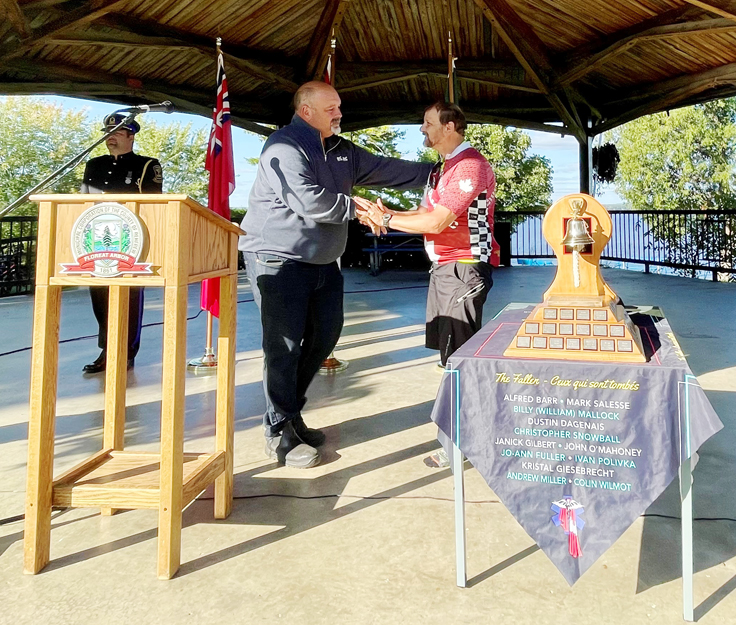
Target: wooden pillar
[(586, 165)]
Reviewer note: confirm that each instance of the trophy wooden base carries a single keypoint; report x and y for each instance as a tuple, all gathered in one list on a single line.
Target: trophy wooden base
[(573, 332)]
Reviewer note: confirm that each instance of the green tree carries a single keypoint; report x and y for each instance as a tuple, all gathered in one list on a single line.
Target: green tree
[(685, 159), (88, 243), (382, 141), (523, 180), (37, 137), (182, 153)]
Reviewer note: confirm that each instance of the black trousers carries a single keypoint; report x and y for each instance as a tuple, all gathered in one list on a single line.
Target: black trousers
[(100, 296), (302, 315), (457, 292)]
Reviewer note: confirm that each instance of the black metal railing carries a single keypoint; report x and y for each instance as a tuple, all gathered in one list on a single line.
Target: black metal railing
[(689, 242), (17, 254)]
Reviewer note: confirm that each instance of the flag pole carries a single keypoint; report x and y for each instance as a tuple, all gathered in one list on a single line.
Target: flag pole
[(207, 364), (333, 45), (450, 69), (332, 364)]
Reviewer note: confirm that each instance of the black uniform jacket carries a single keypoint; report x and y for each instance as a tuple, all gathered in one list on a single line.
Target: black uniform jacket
[(128, 173)]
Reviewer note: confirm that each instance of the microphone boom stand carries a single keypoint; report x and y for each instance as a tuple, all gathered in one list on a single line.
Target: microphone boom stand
[(66, 168)]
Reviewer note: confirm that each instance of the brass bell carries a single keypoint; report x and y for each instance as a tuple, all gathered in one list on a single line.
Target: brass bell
[(577, 235)]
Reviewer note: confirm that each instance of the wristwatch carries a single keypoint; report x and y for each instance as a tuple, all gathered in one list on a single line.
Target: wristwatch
[(386, 218)]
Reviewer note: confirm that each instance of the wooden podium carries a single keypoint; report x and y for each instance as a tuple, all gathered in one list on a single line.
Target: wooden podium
[(170, 242)]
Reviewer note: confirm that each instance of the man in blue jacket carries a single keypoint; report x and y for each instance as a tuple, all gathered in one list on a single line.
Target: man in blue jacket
[(297, 225)]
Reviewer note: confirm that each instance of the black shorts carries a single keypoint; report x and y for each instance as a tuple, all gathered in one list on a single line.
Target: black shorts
[(457, 292)]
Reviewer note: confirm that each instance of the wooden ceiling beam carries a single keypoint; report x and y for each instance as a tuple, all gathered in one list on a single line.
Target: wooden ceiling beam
[(530, 51), (68, 74), (319, 45), (116, 94), (615, 45), (377, 81), (671, 93), (42, 4), (244, 59), (491, 82), (679, 15), (520, 38), (636, 95), (394, 77), (360, 120), (14, 14), (165, 43), (76, 14), (129, 28), (370, 68), (499, 120), (724, 8), (159, 44)]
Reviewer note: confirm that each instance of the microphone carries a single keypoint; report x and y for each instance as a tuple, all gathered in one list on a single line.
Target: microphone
[(161, 107)]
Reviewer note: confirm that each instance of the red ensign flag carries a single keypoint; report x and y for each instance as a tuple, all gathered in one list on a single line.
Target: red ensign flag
[(222, 176)]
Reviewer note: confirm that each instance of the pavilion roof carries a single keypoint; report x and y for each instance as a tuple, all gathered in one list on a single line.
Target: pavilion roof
[(586, 64)]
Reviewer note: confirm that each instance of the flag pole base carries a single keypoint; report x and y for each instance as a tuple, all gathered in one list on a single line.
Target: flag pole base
[(333, 365), (206, 365)]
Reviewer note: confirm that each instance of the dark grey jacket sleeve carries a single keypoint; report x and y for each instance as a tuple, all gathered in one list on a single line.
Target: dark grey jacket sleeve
[(380, 171), (295, 183)]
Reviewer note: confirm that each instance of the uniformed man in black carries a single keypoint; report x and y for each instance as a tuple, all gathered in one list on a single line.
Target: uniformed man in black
[(123, 171)]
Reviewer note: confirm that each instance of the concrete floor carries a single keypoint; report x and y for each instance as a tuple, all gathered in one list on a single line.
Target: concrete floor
[(367, 537)]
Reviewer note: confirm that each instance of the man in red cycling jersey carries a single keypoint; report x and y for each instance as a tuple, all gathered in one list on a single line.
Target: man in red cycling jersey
[(456, 219)]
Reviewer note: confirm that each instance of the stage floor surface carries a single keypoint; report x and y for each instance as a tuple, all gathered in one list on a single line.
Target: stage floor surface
[(367, 536)]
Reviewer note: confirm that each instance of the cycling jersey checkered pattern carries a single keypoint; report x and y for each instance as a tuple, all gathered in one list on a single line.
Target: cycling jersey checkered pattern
[(481, 231), (467, 188)]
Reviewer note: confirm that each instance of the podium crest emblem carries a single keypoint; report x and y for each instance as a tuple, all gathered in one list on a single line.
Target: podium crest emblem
[(107, 240)]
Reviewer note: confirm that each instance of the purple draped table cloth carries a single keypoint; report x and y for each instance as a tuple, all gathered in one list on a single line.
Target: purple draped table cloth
[(576, 451)]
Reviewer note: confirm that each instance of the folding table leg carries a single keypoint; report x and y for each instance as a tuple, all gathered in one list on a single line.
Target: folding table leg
[(686, 498), (460, 551)]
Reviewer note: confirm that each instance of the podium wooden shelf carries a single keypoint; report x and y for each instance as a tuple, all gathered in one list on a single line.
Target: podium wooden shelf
[(131, 480), (171, 242)]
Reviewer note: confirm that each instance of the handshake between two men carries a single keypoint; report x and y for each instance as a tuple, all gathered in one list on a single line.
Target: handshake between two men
[(296, 226), (373, 214)]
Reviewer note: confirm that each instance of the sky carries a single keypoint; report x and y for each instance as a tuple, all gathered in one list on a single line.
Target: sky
[(562, 152)]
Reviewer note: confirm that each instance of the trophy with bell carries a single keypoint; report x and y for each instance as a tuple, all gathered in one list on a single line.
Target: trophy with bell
[(580, 317), (577, 237)]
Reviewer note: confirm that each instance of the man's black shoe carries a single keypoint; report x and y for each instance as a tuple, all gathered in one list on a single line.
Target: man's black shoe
[(98, 366), (290, 450), (314, 438)]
